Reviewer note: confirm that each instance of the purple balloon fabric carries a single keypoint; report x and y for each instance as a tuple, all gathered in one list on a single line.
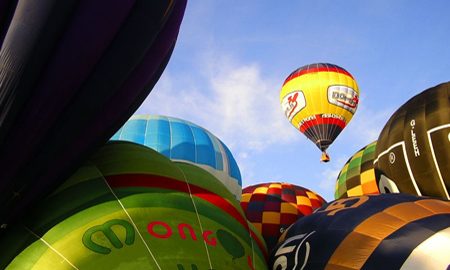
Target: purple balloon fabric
[(79, 82)]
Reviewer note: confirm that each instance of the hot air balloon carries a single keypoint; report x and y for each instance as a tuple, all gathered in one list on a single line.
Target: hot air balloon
[(319, 100), (272, 207), (130, 207), (357, 177), (387, 231), (413, 149), (71, 73), (181, 140)]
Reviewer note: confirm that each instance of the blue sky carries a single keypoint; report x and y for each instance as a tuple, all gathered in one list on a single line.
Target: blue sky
[(232, 58)]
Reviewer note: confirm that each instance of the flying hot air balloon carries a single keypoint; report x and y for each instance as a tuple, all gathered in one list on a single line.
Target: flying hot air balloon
[(181, 140), (71, 73), (413, 149), (129, 207), (319, 100), (385, 231)]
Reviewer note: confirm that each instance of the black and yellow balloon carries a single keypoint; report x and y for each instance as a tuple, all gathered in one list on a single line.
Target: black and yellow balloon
[(319, 100), (413, 149)]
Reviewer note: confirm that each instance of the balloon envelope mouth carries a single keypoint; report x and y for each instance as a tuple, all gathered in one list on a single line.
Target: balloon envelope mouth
[(323, 144)]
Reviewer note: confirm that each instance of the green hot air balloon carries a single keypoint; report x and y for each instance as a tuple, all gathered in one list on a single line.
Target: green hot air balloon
[(413, 149), (357, 177), (130, 207)]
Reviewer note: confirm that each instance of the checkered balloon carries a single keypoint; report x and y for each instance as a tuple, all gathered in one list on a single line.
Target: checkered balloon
[(357, 177), (273, 207)]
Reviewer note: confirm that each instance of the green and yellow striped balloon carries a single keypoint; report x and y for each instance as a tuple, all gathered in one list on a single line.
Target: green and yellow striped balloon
[(357, 177), (130, 207)]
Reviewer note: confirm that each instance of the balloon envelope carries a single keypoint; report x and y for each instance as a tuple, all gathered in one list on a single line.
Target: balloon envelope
[(387, 231), (319, 100), (272, 207), (181, 140), (413, 149), (72, 72), (357, 177), (130, 207)]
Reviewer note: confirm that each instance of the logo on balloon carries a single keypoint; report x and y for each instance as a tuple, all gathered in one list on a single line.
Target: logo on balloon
[(160, 230), (343, 204), (299, 246), (293, 103), (391, 157), (344, 97), (106, 230)]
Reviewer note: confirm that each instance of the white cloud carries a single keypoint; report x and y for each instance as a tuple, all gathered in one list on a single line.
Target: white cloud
[(237, 103), (233, 100)]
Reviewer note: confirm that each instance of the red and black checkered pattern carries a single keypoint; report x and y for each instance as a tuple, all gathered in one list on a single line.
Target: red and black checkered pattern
[(272, 207)]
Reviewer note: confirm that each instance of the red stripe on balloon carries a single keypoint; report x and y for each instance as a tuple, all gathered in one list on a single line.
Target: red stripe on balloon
[(141, 180), (315, 70), (319, 120)]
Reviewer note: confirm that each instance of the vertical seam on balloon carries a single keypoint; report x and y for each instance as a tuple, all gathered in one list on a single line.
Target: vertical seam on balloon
[(52, 248), (330, 126), (316, 127), (196, 212), (145, 131), (324, 127), (402, 143), (195, 144), (251, 242), (225, 161), (132, 222), (215, 147), (336, 109), (170, 132), (434, 155)]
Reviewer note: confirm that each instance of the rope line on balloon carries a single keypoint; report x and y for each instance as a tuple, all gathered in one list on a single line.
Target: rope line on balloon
[(317, 130), (134, 225), (198, 216), (227, 168), (333, 128), (52, 248), (324, 128)]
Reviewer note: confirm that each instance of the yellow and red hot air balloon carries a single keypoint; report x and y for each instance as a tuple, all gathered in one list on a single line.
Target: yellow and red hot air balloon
[(320, 100)]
